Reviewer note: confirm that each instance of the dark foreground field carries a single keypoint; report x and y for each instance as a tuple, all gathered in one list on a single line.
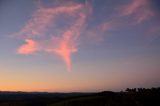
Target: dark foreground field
[(131, 97)]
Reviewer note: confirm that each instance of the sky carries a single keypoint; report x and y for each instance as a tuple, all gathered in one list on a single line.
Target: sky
[(79, 45)]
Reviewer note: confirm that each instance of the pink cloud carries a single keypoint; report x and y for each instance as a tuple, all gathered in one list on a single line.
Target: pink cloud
[(144, 17), (139, 10), (131, 8), (96, 34), (29, 47), (133, 13), (106, 26), (64, 50), (67, 44), (42, 20)]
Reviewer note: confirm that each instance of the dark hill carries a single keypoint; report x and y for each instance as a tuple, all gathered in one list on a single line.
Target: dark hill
[(131, 97)]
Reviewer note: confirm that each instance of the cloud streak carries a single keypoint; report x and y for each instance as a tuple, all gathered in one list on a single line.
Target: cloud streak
[(140, 10), (29, 47), (41, 23), (67, 44), (44, 17), (57, 29)]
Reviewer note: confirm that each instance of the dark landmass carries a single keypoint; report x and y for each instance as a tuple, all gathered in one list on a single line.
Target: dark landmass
[(130, 97)]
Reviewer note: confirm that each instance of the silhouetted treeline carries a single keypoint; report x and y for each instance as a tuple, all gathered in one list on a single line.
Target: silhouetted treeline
[(142, 89), (129, 97)]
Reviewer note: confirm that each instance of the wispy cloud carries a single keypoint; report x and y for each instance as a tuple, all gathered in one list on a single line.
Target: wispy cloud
[(41, 32), (29, 47), (106, 26), (96, 34), (139, 10), (40, 24), (67, 44), (44, 17)]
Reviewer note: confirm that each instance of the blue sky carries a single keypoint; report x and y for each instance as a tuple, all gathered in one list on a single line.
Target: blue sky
[(79, 45)]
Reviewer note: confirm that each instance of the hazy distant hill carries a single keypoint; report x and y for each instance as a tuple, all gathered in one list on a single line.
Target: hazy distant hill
[(131, 97)]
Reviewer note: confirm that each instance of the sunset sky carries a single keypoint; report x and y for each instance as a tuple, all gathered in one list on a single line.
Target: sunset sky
[(79, 45)]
